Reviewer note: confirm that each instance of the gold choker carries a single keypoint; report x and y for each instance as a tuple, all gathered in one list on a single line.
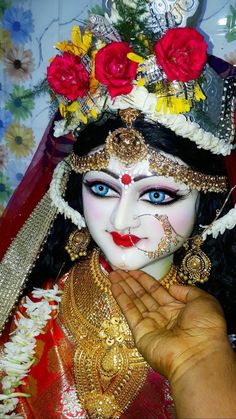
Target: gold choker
[(171, 278)]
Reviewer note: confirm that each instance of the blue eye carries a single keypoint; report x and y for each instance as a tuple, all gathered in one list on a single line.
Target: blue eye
[(100, 189), (160, 196), (156, 197)]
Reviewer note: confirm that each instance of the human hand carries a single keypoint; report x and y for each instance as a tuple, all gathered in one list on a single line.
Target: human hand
[(173, 329)]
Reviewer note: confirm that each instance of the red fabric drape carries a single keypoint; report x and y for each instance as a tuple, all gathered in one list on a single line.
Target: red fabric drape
[(34, 184)]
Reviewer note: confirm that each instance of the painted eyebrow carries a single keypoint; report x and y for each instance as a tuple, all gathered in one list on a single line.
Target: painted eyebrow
[(136, 179)]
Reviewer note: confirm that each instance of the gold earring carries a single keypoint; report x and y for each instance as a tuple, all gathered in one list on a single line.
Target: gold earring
[(196, 265), (77, 243)]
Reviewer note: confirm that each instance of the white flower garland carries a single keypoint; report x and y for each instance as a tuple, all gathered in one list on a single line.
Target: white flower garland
[(19, 351), (191, 130), (227, 222), (58, 201)]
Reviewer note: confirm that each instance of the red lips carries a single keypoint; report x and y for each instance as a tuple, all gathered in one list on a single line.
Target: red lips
[(127, 240)]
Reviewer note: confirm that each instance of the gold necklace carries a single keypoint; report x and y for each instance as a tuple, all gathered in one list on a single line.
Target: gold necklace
[(171, 278), (108, 369)]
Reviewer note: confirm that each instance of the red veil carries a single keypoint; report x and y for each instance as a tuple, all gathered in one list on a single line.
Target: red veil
[(34, 184)]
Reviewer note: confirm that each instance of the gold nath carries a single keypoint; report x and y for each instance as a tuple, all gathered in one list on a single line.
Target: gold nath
[(128, 146)]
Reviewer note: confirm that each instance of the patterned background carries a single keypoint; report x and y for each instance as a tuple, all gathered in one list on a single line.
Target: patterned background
[(28, 31)]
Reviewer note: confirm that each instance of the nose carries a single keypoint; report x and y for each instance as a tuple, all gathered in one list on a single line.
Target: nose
[(123, 216)]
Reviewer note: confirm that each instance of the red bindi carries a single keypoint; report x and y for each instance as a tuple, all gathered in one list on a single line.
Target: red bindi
[(126, 179)]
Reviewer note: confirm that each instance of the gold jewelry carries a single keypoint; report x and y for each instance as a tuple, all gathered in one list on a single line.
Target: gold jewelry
[(171, 278), (168, 238), (196, 265), (164, 166), (128, 145), (108, 369), (95, 161), (77, 243), (164, 245)]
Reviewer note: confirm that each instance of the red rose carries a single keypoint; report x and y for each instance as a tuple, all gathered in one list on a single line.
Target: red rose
[(182, 53), (114, 69), (67, 76)]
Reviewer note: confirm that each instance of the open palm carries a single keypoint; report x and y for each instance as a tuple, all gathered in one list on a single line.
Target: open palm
[(171, 329)]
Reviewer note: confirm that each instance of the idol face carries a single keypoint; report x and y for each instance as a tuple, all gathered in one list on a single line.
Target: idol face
[(123, 208)]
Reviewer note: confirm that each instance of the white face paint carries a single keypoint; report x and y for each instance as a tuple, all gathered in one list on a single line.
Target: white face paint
[(114, 210)]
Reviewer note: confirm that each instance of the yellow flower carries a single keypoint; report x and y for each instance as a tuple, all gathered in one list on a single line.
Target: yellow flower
[(79, 44), (136, 58), (19, 139), (64, 109), (199, 95), (93, 82)]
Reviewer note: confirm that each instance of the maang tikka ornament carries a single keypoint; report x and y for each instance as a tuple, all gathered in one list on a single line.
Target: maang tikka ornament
[(127, 144)]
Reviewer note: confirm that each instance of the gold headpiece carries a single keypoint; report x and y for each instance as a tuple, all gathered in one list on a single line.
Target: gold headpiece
[(128, 145)]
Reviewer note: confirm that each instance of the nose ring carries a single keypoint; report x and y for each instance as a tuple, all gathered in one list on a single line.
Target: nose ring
[(168, 238)]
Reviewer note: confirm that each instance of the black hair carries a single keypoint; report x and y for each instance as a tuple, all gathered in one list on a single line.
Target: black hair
[(54, 260)]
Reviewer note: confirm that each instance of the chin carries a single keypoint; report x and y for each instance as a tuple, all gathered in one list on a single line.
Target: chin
[(124, 258), (126, 264)]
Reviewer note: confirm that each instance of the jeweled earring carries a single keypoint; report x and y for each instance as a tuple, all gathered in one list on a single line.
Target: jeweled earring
[(196, 265), (77, 243)]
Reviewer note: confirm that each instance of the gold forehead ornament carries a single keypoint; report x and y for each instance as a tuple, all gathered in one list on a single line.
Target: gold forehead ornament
[(128, 146)]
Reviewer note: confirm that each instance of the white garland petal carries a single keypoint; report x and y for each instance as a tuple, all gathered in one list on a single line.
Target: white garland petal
[(19, 352), (191, 130), (227, 222), (50, 294), (58, 201), (60, 128), (139, 98)]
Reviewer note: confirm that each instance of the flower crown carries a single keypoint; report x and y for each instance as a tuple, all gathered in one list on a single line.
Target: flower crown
[(140, 58)]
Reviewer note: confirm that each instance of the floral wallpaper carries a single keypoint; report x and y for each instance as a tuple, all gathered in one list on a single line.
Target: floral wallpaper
[(29, 29)]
